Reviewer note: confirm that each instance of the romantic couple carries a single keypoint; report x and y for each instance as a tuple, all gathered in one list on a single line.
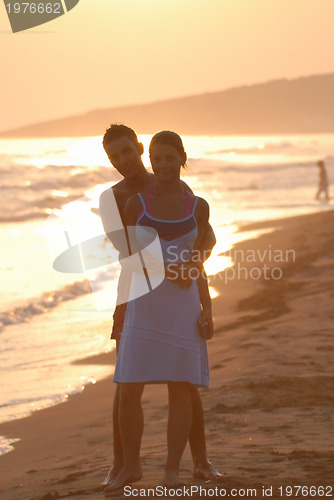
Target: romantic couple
[(160, 336)]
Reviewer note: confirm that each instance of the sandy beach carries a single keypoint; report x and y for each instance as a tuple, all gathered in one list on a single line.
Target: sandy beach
[(269, 408)]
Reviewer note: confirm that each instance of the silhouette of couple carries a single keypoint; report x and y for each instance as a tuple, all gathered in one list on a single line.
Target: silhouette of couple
[(160, 336)]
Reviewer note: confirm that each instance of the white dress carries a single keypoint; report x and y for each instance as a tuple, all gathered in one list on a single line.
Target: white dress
[(160, 340)]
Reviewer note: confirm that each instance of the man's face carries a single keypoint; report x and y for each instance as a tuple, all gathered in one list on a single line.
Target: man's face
[(125, 156)]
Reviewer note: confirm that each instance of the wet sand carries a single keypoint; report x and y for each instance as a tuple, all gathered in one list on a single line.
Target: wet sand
[(269, 409)]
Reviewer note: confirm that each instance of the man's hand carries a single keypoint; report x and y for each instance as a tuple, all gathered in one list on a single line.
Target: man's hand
[(180, 273)]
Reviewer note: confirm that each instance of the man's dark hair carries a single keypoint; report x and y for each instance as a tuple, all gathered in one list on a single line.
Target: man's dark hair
[(117, 130)]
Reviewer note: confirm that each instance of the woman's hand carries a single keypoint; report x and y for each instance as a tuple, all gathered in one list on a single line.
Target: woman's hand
[(205, 325)]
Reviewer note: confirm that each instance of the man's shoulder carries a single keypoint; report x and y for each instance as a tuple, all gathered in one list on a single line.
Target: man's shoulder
[(119, 187), (123, 188), (118, 190), (122, 192)]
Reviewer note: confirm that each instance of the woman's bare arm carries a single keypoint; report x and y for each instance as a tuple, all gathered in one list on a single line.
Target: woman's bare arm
[(205, 320)]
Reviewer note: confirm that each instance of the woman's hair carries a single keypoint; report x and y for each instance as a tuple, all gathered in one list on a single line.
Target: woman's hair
[(171, 139)]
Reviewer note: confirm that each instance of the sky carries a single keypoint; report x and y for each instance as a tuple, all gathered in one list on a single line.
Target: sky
[(108, 53)]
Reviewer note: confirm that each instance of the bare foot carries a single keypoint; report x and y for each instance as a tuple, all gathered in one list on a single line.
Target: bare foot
[(112, 474), (171, 479), (126, 476), (206, 471)]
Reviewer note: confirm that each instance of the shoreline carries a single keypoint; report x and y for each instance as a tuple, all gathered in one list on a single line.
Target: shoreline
[(268, 409)]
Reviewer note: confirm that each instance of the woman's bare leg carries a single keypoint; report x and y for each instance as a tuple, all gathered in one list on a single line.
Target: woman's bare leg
[(131, 425), (179, 425)]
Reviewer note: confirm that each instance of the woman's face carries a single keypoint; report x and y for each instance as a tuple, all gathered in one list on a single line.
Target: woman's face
[(166, 162)]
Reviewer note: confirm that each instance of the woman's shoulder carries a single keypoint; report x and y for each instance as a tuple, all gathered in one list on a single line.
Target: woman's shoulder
[(201, 203), (202, 208)]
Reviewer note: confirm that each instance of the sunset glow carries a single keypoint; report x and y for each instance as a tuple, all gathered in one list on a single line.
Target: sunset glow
[(109, 53)]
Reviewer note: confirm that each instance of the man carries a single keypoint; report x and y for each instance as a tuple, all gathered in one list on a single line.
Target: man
[(125, 152)]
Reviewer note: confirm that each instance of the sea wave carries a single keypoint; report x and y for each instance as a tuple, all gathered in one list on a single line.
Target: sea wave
[(211, 167), (30, 192), (44, 303), (52, 299), (266, 148)]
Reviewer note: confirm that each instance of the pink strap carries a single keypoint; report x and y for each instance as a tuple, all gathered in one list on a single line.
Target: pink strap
[(188, 209)]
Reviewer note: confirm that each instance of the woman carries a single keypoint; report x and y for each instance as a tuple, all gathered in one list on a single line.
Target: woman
[(161, 340)]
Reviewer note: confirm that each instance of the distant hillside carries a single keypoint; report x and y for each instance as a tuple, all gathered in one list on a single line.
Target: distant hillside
[(303, 105)]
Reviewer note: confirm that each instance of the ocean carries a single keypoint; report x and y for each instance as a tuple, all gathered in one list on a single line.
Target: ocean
[(50, 320)]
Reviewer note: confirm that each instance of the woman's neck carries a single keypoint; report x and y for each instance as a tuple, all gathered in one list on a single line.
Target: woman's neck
[(169, 188)]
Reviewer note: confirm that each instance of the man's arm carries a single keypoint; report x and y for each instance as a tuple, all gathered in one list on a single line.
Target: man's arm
[(207, 243), (111, 217), (204, 244), (209, 238)]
